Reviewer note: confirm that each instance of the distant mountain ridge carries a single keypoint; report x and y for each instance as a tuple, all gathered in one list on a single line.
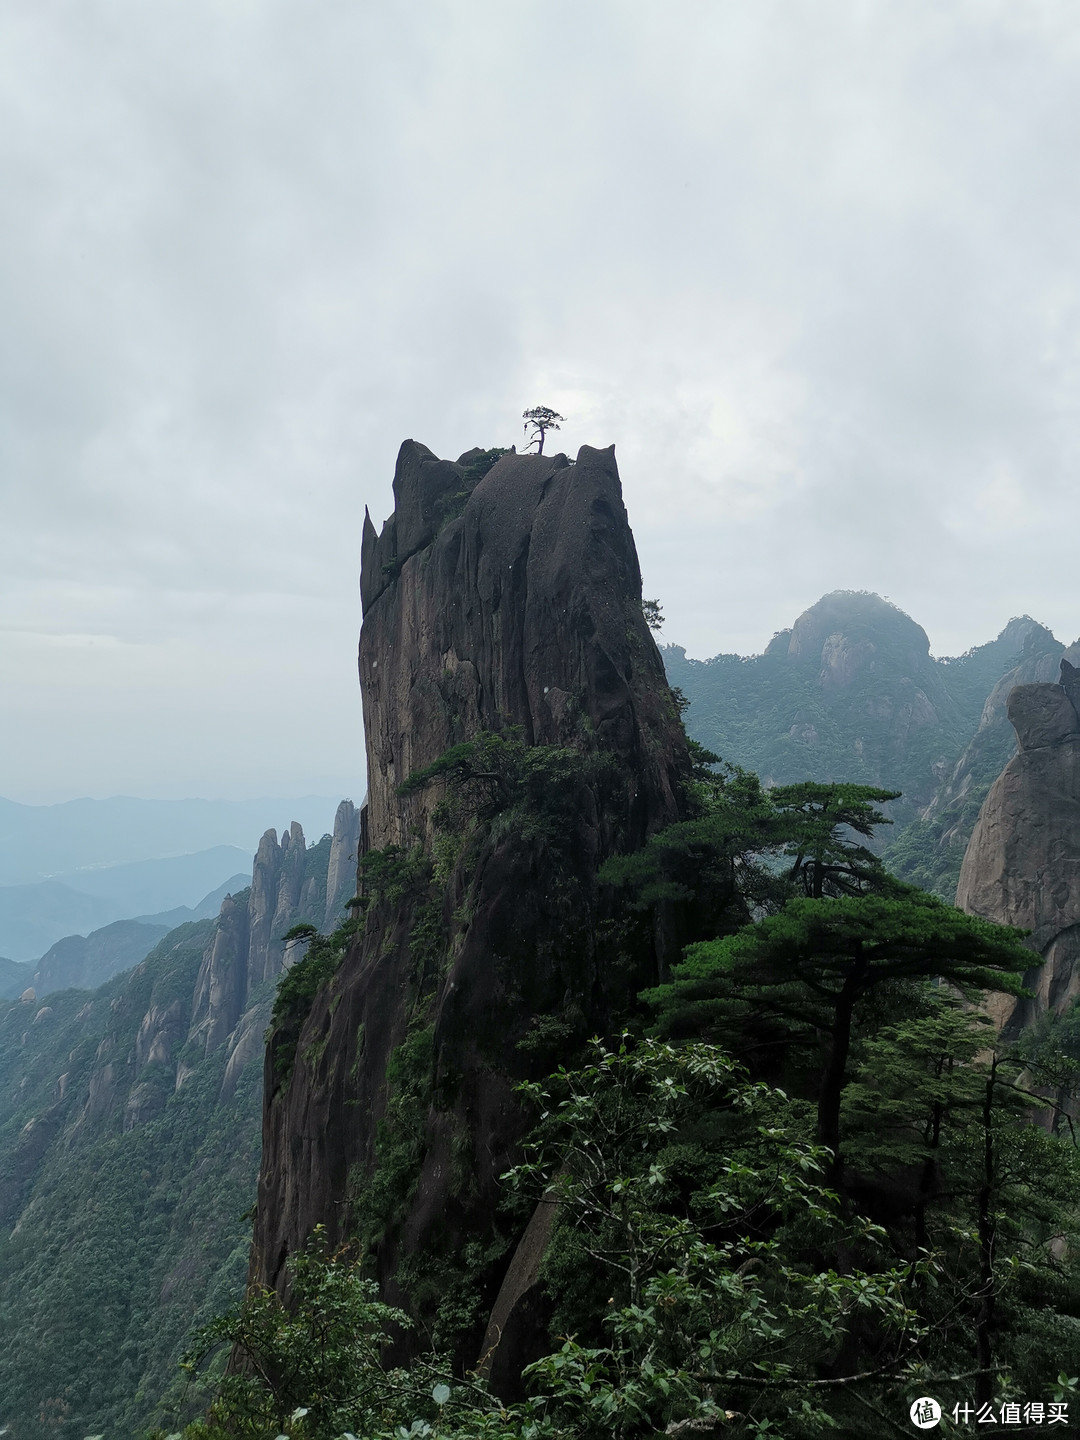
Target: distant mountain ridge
[(40, 842), (34, 917), (206, 909), (851, 692), (87, 961), (161, 883)]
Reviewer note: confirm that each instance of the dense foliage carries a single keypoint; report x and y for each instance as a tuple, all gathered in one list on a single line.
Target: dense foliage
[(131, 1226), (773, 714), (128, 1166), (705, 1279), (808, 1184), (824, 1188), (532, 787)]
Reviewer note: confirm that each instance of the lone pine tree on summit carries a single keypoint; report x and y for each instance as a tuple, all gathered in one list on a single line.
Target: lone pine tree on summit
[(540, 420)]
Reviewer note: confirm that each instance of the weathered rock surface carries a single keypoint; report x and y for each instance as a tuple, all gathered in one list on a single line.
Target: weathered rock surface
[(289, 883), (514, 603), (1022, 864), (523, 610), (341, 868)]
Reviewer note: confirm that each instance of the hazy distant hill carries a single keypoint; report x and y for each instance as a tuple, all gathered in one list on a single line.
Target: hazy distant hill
[(145, 886), (33, 917), (206, 909), (14, 978), (86, 961), (39, 842)]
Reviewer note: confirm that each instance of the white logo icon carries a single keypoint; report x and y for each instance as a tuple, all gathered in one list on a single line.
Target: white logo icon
[(925, 1413)]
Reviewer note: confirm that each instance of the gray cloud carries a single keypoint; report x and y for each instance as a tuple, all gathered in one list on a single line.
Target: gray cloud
[(813, 269)]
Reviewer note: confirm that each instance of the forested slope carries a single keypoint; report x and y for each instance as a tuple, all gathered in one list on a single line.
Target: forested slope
[(794, 1187), (129, 1151), (122, 1199), (852, 693)]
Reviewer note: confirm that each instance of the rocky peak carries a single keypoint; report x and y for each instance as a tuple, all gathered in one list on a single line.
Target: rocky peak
[(507, 601), (849, 692), (523, 609), (341, 868), (844, 631), (247, 949)]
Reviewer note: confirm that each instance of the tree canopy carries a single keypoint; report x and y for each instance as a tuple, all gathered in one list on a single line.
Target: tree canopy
[(815, 962), (540, 419)]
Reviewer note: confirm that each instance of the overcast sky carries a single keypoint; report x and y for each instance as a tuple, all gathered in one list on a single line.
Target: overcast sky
[(812, 265)]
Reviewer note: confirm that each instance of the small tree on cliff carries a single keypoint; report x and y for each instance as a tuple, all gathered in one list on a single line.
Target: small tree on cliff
[(540, 420)]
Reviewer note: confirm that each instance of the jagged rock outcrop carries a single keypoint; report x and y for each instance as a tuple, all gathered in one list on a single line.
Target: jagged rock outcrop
[(341, 868), (225, 976), (134, 1110), (504, 602), (276, 882), (1022, 864), (289, 883)]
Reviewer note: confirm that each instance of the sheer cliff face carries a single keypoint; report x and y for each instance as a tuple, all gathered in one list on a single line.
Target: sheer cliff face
[(247, 949), (995, 738), (525, 609), (514, 601), (1022, 864)]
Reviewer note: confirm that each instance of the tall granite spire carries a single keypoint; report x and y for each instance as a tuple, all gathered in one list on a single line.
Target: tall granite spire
[(510, 602)]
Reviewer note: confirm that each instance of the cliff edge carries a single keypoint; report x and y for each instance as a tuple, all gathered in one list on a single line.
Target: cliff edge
[(1022, 864), (523, 610)]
